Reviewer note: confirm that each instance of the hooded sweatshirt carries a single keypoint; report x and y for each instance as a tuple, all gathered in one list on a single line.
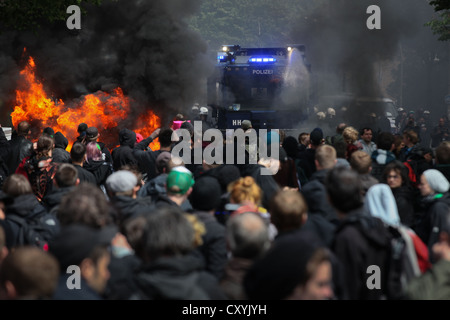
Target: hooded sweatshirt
[(60, 154), (123, 154)]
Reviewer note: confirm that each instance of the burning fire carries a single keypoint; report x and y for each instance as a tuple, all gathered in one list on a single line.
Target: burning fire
[(101, 110)]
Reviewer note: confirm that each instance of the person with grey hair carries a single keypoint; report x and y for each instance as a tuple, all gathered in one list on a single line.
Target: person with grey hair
[(436, 207), (248, 239), (434, 284)]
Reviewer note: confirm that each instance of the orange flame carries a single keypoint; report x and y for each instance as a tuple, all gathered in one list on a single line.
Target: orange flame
[(101, 109)]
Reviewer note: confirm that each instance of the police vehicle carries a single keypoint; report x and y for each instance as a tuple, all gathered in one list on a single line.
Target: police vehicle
[(268, 86)]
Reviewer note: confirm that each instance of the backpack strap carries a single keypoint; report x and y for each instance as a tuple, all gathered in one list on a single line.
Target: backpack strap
[(22, 225)]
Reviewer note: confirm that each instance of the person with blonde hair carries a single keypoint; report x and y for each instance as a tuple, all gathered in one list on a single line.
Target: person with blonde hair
[(247, 196), (350, 135), (245, 191)]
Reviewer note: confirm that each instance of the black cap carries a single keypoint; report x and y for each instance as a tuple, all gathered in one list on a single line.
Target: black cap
[(206, 194), (75, 242), (49, 131), (316, 136), (92, 133), (82, 127)]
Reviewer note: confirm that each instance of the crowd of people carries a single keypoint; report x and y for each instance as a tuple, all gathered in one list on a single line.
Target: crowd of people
[(141, 224)]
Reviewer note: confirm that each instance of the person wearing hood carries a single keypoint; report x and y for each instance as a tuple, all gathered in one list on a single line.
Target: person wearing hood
[(123, 154), (60, 154), (436, 206)]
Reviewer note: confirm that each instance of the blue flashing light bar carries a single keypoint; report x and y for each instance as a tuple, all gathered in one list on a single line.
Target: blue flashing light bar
[(262, 60)]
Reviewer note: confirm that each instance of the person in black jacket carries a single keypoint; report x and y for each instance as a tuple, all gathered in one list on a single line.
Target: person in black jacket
[(169, 270), (19, 146), (77, 157), (314, 191), (92, 135), (396, 176), (205, 199), (86, 247), (435, 202), (24, 205), (66, 178), (123, 154), (122, 187), (360, 240), (60, 154), (443, 159), (100, 168)]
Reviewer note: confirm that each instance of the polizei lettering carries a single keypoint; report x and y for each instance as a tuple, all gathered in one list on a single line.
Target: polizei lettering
[(265, 71)]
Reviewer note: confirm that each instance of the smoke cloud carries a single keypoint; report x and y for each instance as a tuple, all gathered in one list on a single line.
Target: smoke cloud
[(145, 47), (346, 56)]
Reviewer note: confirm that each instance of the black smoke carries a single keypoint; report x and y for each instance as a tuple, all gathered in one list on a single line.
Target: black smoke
[(144, 47), (346, 56)]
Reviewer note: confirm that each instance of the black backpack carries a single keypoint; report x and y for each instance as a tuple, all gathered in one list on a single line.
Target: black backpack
[(400, 264), (36, 230)]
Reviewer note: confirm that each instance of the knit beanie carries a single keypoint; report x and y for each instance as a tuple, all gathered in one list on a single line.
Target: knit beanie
[(436, 180)]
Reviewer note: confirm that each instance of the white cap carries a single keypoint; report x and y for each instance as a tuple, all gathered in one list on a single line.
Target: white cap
[(321, 115), (203, 110)]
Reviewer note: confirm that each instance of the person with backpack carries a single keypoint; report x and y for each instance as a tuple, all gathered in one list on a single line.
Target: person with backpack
[(29, 222), (435, 204), (434, 284), (360, 240), (409, 255)]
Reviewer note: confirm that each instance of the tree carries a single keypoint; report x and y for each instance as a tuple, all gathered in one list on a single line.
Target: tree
[(441, 26), (269, 23), (32, 14)]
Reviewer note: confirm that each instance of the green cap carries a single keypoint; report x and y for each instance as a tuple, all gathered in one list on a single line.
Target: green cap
[(179, 180)]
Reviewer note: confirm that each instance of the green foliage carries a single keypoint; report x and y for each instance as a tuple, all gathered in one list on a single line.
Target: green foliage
[(441, 26), (249, 23), (32, 14)]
